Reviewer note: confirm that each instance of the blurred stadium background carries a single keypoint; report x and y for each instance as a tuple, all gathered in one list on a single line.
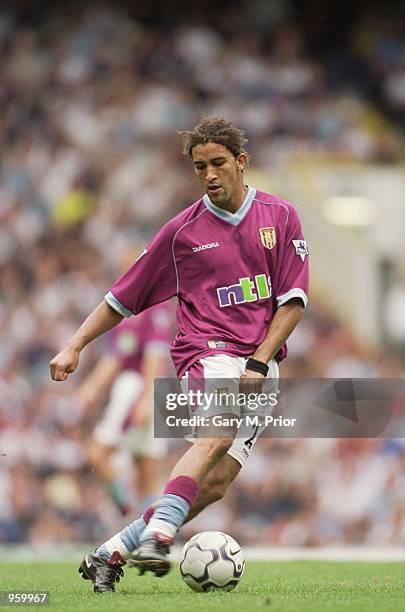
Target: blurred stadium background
[(91, 98)]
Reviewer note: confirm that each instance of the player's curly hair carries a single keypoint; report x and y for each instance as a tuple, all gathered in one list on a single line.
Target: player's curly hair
[(214, 129)]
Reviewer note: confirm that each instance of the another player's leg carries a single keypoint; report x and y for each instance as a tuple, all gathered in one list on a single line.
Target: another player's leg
[(149, 454), (104, 566), (148, 480), (100, 456), (108, 434)]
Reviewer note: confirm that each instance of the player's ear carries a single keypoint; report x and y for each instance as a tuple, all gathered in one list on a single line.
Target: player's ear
[(241, 161)]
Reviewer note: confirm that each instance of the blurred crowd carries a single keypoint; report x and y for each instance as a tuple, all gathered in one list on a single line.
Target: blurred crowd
[(90, 165), (347, 491)]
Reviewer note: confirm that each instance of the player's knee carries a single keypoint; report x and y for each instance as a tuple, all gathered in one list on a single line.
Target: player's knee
[(222, 445), (214, 447), (225, 444)]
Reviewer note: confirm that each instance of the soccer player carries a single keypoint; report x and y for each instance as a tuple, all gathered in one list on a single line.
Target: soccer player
[(237, 261), (136, 355)]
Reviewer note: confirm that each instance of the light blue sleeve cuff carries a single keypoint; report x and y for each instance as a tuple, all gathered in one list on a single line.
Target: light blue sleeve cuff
[(293, 293), (116, 305)]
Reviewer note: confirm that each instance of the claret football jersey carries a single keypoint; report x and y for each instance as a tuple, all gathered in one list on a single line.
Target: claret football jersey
[(230, 272)]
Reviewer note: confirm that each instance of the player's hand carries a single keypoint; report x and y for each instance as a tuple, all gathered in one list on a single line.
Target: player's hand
[(251, 382), (64, 363)]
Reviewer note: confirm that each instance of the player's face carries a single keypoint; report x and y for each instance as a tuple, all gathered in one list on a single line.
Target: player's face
[(220, 174)]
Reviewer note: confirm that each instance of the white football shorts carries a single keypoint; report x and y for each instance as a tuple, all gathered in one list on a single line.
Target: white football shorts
[(230, 368), (138, 441)]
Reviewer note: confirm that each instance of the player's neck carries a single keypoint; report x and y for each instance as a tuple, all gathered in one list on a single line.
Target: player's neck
[(237, 200)]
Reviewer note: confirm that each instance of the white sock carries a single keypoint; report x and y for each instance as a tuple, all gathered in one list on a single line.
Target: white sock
[(159, 526), (115, 543)]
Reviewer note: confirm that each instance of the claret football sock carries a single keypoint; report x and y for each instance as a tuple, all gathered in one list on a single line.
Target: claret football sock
[(127, 540), (147, 515), (172, 507)]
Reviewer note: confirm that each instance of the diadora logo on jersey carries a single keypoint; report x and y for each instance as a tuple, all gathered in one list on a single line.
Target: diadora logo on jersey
[(268, 237), (204, 247), (247, 290), (301, 248)]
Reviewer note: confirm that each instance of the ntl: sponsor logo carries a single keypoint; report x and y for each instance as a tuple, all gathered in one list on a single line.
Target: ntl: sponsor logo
[(247, 290)]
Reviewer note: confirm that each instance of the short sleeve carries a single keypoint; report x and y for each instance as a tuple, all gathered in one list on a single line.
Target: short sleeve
[(150, 280), (293, 277)]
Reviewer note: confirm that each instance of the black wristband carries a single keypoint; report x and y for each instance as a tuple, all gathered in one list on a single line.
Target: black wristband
[(257, 366)]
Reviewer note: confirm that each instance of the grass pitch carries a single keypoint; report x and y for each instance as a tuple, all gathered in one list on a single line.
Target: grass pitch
[(284, 586)]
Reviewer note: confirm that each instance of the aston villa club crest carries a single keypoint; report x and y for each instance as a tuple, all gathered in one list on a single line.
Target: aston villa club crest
[(268, 237)]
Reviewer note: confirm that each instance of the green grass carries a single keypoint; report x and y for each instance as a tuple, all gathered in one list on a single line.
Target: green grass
[(286, 586)]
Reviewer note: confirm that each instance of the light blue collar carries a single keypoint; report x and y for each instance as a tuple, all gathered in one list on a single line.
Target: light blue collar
[(233, 218)]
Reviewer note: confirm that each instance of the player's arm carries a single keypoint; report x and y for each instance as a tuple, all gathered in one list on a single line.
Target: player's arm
[(98, 381), (284, 321), (98, 322), (150, 280)]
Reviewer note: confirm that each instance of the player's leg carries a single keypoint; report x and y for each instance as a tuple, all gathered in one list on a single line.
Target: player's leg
[(180, 494), (178, 497), (117, 550), (100, 456), (108, 433), (189, 473), (148, 454), (215, 484), (148, 477), (222, 475), (238, 450), (104, 566), (105, 569), (202, 457)]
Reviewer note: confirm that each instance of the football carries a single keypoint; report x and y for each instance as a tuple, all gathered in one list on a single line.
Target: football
[(210, 561)]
